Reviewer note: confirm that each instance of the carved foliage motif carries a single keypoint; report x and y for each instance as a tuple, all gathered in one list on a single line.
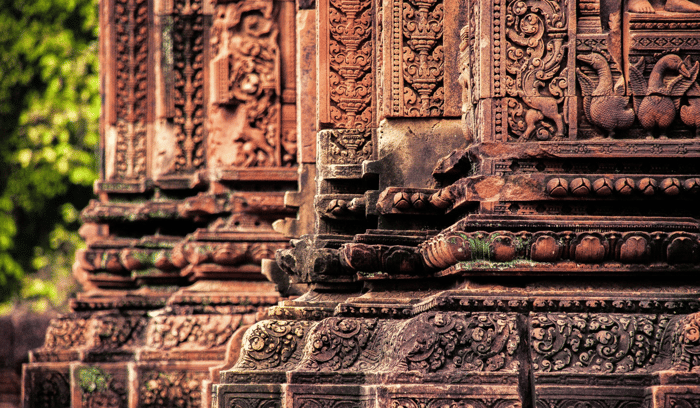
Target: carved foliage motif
[(272, 343), (607, 343), (337, 342), (188, 84), (536, 46), (686, 343), (350, 61), (171, 389), (333, 402), (246, 68), (132, 31), (470, 342), (423, 58), (347, 146), (205, 331)]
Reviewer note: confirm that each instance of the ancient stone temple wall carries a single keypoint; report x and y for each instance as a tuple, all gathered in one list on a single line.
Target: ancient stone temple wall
[(505, 210), (199, 147), (493, 204)]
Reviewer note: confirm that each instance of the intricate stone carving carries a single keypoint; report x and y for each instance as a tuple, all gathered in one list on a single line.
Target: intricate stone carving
[(472, 342), (247, 86), (170, 389), (188, 84), (338, 342), (272, 344), (132, 78), (194, 331), (423, 58), (605, 343), (350, 83), (686, 343), (438, 402), (536, 46)]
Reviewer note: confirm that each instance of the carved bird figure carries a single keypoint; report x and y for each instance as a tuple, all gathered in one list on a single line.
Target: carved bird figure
[(605, 105), (690, 114), (657, 104)]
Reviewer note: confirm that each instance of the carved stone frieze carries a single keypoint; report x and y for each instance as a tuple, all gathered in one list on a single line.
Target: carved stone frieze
[(273, 344), (170, 389), (603, 343)]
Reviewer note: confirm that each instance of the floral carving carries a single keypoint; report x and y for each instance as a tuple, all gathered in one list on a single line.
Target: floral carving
[(171, 389), (606, 343), (423, 59), (272, 343), (347, 146), (188, 84), (469, 342), (350, 60), (536, 45), (337, 342), (194, 331), (132, 34)]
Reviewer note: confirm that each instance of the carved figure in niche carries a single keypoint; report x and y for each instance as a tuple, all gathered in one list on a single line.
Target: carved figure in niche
[(675, 6), (604, 104), (657, 104)]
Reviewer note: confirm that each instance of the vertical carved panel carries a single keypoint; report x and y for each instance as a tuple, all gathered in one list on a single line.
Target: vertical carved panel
[(187, 101), (132, 74), (423, 58), (536, 76), (246, 112), (346, 50), (418, 78)]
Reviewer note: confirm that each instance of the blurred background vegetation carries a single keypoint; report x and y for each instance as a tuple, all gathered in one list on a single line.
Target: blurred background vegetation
[(49, 117)]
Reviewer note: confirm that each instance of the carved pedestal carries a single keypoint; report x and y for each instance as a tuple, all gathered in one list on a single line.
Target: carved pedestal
[(543, 251)]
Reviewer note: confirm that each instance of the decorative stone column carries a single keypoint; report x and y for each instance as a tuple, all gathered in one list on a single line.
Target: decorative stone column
[(199, 148)]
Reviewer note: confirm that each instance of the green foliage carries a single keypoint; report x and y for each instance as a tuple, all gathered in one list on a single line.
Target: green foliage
[(49, 115), (92, 379)]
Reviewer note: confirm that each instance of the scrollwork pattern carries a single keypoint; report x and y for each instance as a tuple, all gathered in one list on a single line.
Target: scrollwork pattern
[(469, 342), (536, 33), (338, 342), (272, 343), (605, 343)]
